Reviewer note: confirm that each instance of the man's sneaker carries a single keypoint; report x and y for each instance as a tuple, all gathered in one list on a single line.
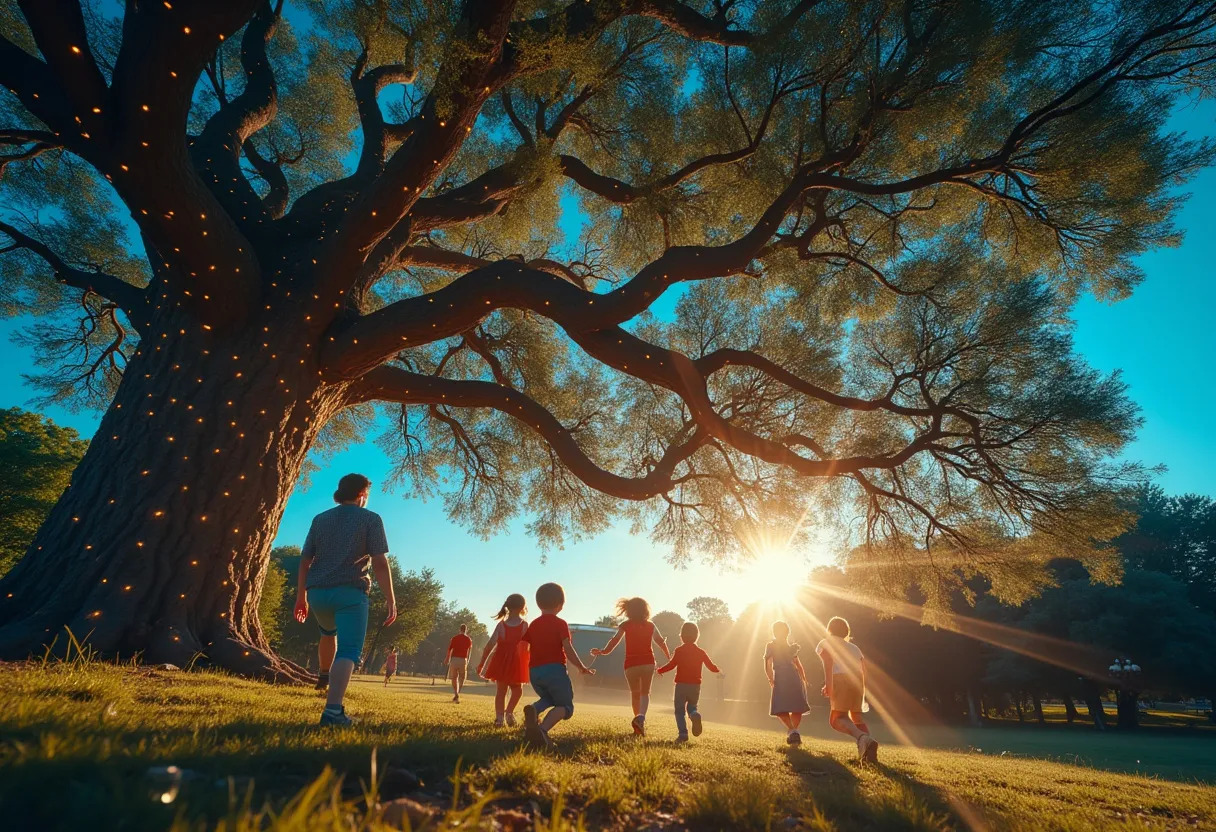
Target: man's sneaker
[(682, 738), (695, 719), (794, 738), (870, 754), (639, 725), (534, 737), (322, 682), (331, 717), (511, 720)]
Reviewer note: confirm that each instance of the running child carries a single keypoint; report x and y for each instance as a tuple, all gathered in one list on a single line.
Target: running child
[(687, 660), (640, 636), (390, 666), (787, 678), (457, 660), (844, 674), (508, 658), (549, 639)]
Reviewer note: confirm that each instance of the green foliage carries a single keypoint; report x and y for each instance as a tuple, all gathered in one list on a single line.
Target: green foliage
[(37, 458), (275, 596), (426, 655)]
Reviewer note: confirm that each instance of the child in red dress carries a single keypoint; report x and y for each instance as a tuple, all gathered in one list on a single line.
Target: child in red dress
[(507, 653), (639, 634)]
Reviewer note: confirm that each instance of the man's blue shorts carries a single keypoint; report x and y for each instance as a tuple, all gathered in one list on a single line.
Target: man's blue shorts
[(341, 611), (552, 684)]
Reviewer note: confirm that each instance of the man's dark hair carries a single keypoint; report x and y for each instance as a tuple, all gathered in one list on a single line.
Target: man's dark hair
[(350, 487), (549, 596)]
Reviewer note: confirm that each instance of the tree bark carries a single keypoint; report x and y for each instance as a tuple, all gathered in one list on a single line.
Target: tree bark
[(1128, 712), (1093, 702), (1038, 707), (1070, 708), (160, 544)]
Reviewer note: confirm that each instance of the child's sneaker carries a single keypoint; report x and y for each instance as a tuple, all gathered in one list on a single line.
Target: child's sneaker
[(337, 717), (794, 738), (511, 720), (639, 725), (695, 719), (533, 735), (499, 721), (870, 754), (682, 738)]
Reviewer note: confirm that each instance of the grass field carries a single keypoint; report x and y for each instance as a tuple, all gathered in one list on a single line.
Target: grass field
[(77, 742)]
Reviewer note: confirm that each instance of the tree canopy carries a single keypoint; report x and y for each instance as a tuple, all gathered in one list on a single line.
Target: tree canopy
[(710, 267), (36, 461)]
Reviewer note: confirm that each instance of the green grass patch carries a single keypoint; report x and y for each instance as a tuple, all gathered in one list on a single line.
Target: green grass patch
[(77, 742)]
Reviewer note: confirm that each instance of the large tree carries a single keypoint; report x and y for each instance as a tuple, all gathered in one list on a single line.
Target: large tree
[(828, 252)]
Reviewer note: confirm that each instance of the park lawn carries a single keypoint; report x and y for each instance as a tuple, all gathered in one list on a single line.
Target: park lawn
[(77, 740)]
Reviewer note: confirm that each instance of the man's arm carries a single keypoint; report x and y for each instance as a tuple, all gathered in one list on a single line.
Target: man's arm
[(306, 557), (384, 577)]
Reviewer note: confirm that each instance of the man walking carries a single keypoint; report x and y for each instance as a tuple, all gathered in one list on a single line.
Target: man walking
[(342, 544)]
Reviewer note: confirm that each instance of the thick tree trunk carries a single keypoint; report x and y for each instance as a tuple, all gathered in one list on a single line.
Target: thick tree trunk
[(1038, 708), (1070, 709), (159, 546), (1093, 702)]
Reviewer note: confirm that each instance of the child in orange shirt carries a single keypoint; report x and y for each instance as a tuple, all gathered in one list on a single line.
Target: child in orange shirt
[(509, 665), (549, 640), (640, 634), (687, 661)]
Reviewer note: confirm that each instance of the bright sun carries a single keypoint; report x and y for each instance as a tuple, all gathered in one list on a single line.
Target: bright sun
[(774, 575)]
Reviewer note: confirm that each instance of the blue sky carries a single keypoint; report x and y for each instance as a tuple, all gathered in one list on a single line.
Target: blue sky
[(1162, 339)]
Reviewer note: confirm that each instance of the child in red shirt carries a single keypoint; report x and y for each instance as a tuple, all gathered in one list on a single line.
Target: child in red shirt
[(639, 634), (687, 661), (457, 660), (549, 640)]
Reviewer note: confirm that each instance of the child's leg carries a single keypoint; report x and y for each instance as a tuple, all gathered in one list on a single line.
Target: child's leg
[(516, 692), (795, 721), (681, 703), (785, 720), (556, 714), (635, 691), (839, 721), (645, 678), (859, 721), (500, 695)]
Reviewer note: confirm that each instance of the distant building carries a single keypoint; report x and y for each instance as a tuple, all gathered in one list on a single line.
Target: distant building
[(610, 669)]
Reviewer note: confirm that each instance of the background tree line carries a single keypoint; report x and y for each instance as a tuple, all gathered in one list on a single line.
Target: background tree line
[(1162, 615)]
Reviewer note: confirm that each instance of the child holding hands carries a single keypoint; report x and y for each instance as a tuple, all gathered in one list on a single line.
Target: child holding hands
[(687, 660), (549, 639)]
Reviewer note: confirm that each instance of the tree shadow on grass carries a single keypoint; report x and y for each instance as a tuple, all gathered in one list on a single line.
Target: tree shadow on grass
[(835, 791)]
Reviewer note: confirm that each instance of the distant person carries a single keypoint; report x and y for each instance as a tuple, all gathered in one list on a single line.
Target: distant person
[(507, 653), (640, 635), (787, 678), (844, 674), (457, 660), (687, 660), (390, 666), (333, 582), (549, 639)]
